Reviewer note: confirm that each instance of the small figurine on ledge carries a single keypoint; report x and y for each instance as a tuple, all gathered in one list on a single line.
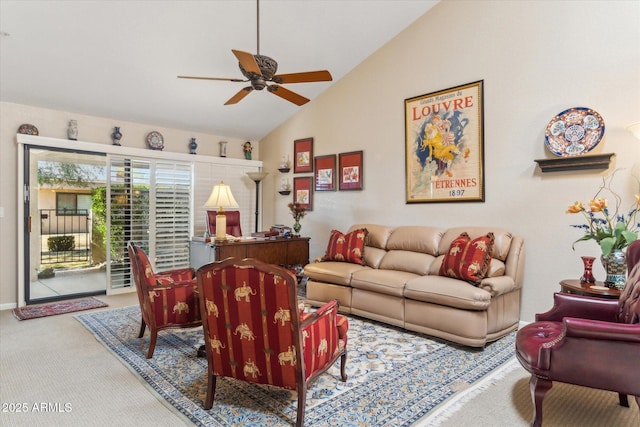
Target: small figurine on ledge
[(247, 150)]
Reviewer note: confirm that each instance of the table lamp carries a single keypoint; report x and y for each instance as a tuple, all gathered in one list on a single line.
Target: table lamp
[(221, 199)]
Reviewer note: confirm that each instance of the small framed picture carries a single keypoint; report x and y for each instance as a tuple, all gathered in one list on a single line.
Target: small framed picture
[(303, 155), (325, 172), (350, 170), (303, 192)]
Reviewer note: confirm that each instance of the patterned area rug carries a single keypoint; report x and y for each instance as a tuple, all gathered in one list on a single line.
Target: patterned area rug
[(42, 310), (395, 377)]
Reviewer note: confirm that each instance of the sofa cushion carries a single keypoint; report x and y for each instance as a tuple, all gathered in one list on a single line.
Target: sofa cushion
[(346, 247), (497, 268), (377, 236), (468, 259), (446, 291), (415, 239), (332, 272), (413, 262), (373, 256), (389, 282)]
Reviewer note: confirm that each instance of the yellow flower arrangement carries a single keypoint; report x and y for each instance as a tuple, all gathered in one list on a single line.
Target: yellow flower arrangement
[(611, 230)]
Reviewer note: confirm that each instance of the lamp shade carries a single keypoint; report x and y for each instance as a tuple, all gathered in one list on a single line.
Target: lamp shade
[(257, 176), (221, 198), (634, 128)]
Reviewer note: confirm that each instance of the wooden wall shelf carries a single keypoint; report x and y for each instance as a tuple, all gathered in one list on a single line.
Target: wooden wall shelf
[(593, 161)]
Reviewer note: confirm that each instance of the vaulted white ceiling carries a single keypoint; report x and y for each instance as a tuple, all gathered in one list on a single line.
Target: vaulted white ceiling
[(120, 59)]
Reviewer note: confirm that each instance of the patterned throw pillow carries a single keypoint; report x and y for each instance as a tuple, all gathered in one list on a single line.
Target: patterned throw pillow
[(468, 259), (346, 247)]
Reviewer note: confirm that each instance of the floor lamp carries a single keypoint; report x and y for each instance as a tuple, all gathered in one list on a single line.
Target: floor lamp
[(221, 199), (257, 177)]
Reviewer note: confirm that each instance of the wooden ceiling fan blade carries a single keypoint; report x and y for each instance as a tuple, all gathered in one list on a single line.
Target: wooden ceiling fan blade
[(288, 95), (212, 78), (239, 96), (247, 61), (306, 77)]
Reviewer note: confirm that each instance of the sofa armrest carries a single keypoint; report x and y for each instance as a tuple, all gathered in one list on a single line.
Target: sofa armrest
[(569, 305), (597, 329), (498, 285)]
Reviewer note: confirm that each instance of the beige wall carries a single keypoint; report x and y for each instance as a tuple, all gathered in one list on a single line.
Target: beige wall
[(52, 123), (536, 58)]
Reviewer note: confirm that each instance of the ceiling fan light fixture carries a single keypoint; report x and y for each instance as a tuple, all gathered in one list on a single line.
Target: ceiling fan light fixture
[(268, 67)]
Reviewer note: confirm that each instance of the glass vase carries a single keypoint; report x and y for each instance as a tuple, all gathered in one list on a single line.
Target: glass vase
[(616, 267), (587, 276), (297, 227)]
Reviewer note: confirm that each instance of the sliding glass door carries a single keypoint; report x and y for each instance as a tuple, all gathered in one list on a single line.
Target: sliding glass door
[(82, 209), (63, 250)]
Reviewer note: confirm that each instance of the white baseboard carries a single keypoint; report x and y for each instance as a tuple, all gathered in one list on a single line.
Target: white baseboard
[(522, 323), (8, 306)]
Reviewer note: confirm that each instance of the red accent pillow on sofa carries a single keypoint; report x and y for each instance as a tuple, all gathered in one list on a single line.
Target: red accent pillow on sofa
[(346, 247), (468, 259)]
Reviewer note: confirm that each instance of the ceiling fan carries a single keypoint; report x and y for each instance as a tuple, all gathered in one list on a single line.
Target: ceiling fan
[(260, 70)]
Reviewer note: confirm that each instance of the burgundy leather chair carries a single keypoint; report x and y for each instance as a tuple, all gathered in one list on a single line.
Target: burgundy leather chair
[(233, 223), (587, 341)]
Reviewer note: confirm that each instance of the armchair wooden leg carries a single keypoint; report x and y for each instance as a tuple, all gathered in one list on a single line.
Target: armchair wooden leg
[(152, 344), (539, 387), (343, 363), (302, 396), (142, 328), (211, 391), (623, 399)]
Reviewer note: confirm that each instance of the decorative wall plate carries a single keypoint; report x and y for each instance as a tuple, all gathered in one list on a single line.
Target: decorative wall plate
[(28, 129), (155, 141), (574, 132)]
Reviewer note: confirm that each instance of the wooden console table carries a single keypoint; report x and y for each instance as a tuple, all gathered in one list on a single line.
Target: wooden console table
[(279, 251), (580, 288)]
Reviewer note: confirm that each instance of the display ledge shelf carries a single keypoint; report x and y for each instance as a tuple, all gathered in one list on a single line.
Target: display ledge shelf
[(284, 170), (285, 192), (594, 161)]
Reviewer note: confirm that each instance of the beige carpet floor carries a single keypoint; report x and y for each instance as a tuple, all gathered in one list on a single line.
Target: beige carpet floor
[(55, 372)]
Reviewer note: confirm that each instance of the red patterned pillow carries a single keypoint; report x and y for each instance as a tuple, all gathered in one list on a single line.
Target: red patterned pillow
[(346, 247), (468, 259)]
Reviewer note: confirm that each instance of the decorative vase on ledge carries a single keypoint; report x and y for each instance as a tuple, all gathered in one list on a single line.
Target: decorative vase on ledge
[(587, 276), (616, 267)]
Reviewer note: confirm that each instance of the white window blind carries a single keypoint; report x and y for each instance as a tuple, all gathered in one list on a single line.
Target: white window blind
[(172, 216), (149, 204), (128, 208)]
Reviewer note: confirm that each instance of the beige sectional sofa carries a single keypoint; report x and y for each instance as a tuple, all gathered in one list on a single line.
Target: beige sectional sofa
[(400, 285)]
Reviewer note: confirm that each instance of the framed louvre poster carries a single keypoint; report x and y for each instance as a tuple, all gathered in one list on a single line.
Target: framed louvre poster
[(444, 145)]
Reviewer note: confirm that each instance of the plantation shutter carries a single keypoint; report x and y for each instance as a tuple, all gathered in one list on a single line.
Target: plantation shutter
[(128, 208), (149, 204), (172, 214)]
